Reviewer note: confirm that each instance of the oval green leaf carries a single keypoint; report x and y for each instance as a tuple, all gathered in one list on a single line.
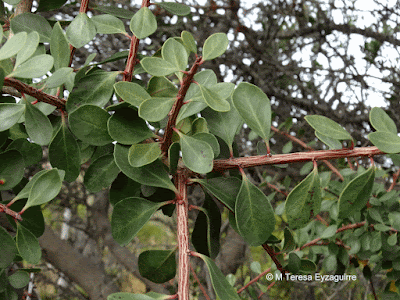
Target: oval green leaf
[(158, 266), (59, 47), (131, 92), (381, 121), (101, 173), (189, 41), (157, 66), (31, 152), (209, 139), (143, 154), (175, 53), (10, 113), (213, 99), (175, 8), (58, 78), (155, 109), (143, 23), (19, 279), (129, 296), (11, 169), (35, 67), (385, 141), (328, 127), (13, 45), (196, 155), (355, 195), (32, 41), (108, 24), (89, 124), (81, 30), (123, 187), (129, 216), (254, 107), (28, 245), (215, 45), (29, 22), (254, 215), (8, 248), (37, 125)]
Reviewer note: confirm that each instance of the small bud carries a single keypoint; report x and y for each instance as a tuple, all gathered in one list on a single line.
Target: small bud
[(2, 181)]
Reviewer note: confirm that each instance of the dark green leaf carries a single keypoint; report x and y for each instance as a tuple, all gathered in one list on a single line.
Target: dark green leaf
[(332, 143), (127, 128), (32, 218), (11, 169), (175, 8), (221, 286), (28, 245), (108, 24), (129, 296), (115, 11), (329, 232), (224, 189), (173, 157), (59, 47), (50, 5), (355, 195), (81, 30), (64, 153), (32, 42), (289, 242), (304, 201), (143, 154), (155, 109), (328, 127), (19, 279), (161, 87), (175, 53), (123, 187), (209, 139), (196, 155), (308, 266), (129, 216), (131, 92), (10, 114), (157, 66), (35, 67), (152, 175), (254, 215), (254, 107), (158, 266), (29, 22), (32, 153), (294, 263), (143, 23), (385, 141), (37, 125), (89, 124), (8, 248), (213, 99), (215, 45), (58, 78), (381, 121), (101, 173), (13, 45), (188, 41)]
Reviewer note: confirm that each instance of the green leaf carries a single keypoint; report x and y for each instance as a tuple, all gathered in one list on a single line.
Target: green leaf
[(173, 157), (37, 125), (32, 42), (131, 92), (13, 45), (175, 53), (224, 189), (329, 232), (205, 235), (29, 22), (289, 242), (294, 263), (50, 5), (161, 87), (196, 155), (355, 195), (123, 187), (128, 296), (32, 218), (127, 128), (24, 193), (308, 266), (199, 125), (45, 188), (95, 88), (222, 288), (381, 121), (114, 10), (19, 279), (35, 67), (12, 2), (10, 113), (152, 175), (155, 109), (143, 23), (31, 153), (81, 30), (332, 143), (143, 154), (254, 215), (209, 139), (64, 153), (59, 47), (175, 8), (188, 41), (213, 99), (108, 24), (101, 173), (254, 107), (158, 266), (11, 169), (385, 141), (304, 201), (129, 216), (157, 66), (58, 78), (8, 248), (215, 45), (328, 127), (89, 124), (28, 245)]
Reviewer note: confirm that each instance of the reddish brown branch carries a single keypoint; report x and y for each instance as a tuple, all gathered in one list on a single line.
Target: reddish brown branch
[(262, 160), (255, 279), (199, 283), (173, 114), (272, 254), (10, 212), (395, 177), (34, 92)]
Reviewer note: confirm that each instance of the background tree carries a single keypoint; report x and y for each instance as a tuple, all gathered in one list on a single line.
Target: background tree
[(299, 53)]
